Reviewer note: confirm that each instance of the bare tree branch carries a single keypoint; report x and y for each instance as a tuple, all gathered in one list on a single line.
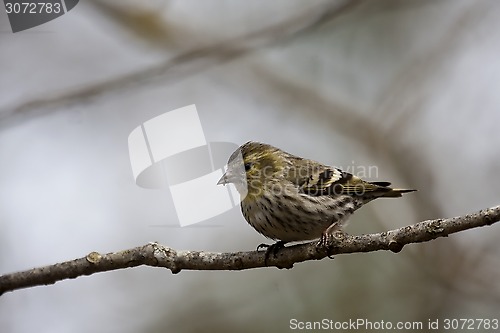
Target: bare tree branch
[(156, 255), (186, 63)]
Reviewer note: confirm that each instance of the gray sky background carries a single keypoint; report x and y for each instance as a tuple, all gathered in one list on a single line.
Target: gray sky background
[(410, 87)]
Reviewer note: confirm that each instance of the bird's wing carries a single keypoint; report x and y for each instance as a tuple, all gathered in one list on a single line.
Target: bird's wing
[(316, 179)]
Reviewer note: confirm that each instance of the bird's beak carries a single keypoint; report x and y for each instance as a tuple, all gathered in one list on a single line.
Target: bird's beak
[(231, 177), (225, 179), (238, 179)]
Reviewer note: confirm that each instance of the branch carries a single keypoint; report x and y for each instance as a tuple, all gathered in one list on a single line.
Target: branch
[(187, 63), (156, 255)]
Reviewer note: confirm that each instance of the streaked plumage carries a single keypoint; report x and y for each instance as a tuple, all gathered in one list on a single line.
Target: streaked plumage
[(289, 198)]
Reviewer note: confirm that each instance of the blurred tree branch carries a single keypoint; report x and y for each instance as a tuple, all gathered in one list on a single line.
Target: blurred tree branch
[(156, 255), (186, 63)]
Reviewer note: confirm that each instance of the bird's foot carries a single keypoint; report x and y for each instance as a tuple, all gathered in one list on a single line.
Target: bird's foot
[(329, 239), (273, 248)]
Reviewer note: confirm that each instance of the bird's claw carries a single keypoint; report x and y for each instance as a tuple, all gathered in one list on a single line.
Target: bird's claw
[(328, 240), (325, 240), (273, 248), (263, 246)]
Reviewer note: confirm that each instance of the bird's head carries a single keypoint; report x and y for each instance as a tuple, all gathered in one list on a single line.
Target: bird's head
[(252, 166)]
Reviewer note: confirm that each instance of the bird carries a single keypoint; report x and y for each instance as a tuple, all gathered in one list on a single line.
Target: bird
[(288, 198)]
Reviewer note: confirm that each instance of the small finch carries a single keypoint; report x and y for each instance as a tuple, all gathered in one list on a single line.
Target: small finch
[(288, 198)]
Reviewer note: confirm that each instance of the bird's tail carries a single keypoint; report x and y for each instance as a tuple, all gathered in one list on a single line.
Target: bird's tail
[(396, 193), (392, 192)]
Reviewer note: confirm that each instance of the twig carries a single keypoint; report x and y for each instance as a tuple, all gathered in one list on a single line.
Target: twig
[(156, 255), (186, 63)]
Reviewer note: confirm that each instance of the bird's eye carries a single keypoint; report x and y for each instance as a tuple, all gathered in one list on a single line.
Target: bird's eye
[(248, 166)]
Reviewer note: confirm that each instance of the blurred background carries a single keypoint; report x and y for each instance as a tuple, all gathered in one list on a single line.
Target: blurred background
[(410, 87)]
